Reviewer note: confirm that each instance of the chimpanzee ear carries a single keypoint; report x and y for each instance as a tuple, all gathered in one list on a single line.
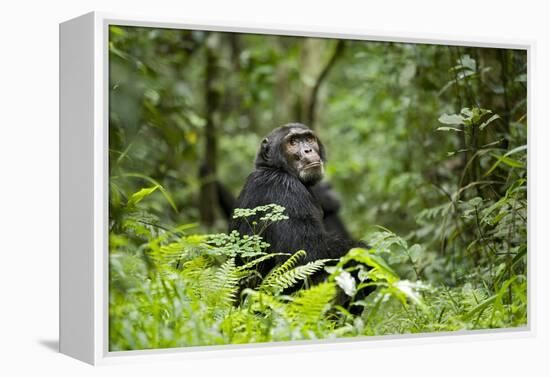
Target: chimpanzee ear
[(265, 145), (264, 149)]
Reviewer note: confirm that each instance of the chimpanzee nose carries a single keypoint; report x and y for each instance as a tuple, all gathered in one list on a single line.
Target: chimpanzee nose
[(307, 150)]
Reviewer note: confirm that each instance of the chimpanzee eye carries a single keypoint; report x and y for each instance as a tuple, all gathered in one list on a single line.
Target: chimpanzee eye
[(293, 141)]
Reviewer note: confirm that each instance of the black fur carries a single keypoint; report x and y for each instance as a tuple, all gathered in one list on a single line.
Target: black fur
[(274, 181), (330, 203)]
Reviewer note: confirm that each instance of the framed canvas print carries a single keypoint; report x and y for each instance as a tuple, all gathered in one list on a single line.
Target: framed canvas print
[(229, 188)]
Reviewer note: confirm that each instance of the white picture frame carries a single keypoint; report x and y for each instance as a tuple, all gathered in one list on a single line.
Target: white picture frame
[(84, 190)]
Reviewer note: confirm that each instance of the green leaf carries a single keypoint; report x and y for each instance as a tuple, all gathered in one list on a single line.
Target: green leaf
[(346, 282), (488, 121), (408, 289), (509, 161), (516, 150), (506, 160), (449, 129), (116, 30), (140, 195), (366, 257), (467, 62), (453, 119), (479, 308), (467, 112), (165, 193)]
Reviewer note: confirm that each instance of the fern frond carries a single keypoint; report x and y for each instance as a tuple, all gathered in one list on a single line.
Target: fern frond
[(226, 283), (285, 267), (278, 282), (170, 254), (259, 301), (310, 305), (259, 260), (196, 267)]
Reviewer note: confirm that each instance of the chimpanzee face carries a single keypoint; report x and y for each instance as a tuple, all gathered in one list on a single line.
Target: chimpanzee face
[(301, 150), (295, 149)]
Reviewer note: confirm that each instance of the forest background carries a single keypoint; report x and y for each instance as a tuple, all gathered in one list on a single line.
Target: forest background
[(427, 152)]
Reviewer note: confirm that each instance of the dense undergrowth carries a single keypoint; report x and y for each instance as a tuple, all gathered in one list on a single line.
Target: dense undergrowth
[(176, 288), (427, 150)]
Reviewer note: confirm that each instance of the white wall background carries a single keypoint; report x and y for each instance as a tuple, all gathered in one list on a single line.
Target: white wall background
[(29, 185)]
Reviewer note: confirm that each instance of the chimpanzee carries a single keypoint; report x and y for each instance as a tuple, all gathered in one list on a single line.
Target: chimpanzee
[(330, 203), (288, 166), (323, 192)]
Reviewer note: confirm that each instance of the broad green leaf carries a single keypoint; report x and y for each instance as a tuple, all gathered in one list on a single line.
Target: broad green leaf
[(506, 160), (364, 256), (467, 112), (509, 161), (409, 290), (449, 129), (515, 150), (453, 119), (467, 62), (346, 282), (140, 195), (165, 193), (489, 121)]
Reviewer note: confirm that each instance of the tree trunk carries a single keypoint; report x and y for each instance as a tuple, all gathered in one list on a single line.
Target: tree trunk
[(207, 172), (312, 102)]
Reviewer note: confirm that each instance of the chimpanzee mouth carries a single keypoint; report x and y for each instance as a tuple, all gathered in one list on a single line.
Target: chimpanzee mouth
[(313, 165)]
